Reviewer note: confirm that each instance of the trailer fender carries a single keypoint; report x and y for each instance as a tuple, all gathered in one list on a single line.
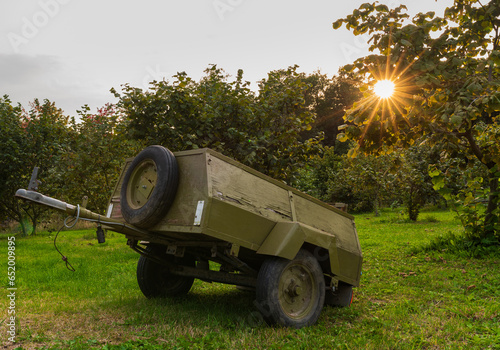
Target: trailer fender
[(286, 239)]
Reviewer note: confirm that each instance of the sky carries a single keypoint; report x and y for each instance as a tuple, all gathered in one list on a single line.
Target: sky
[(73, 52)]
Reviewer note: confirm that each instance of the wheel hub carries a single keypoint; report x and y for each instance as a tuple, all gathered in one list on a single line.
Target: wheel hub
[(293, 289), (142, 183), (297, 291)]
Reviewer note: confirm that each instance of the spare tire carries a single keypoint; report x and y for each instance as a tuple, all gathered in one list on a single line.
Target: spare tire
[(149, 187)]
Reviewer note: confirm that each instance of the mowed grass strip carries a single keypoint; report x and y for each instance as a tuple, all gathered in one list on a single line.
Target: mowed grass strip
[(409, 298)]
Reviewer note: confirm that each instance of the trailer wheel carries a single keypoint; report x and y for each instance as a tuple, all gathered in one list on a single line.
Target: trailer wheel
[(154, 279), (149, 187), (291, 293)]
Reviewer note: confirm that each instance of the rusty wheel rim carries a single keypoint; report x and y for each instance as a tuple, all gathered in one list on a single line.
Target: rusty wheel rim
[(297, 291), (142, 183)]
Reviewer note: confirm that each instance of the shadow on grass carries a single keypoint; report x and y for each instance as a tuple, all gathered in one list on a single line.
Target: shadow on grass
[(206, 305)]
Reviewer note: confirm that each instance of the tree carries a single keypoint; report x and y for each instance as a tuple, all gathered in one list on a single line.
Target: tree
[(446, 71), (260, 130), (365, 183), (328, 99), (414, 182), (37, 137), (281, 116), (12, 148), (92, 164)]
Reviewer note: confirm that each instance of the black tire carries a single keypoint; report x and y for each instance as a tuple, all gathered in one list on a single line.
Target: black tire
[(154, 279), (342, 297), (291, 293), (149, 187)]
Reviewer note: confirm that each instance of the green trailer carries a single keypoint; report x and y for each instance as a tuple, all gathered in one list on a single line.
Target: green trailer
[(180, 211)]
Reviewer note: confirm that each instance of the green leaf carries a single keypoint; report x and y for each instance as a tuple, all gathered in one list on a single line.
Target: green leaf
[(456, 120), (337, 24), (406, 42), (342, 137), (438, 182), (348, 67), (382, 8), (434, 172), (481, 66)]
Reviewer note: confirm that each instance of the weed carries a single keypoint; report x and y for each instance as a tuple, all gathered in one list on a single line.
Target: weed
[(461, 245)]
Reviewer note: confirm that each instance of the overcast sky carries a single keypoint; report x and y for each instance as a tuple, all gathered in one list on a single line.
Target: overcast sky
[(74, 51)]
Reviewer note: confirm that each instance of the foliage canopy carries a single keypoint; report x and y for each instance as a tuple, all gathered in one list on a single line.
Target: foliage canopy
[(260, 130), (447, 76)]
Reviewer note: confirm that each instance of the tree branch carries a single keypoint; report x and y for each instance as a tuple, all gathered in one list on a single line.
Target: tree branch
[(476, 149)]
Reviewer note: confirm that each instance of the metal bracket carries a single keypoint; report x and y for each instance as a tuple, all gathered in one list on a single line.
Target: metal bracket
[(214, 250), (100, 235), (85, 200), (235, 249), (132, 243), (33, 185), (334, 284), (176, 250)]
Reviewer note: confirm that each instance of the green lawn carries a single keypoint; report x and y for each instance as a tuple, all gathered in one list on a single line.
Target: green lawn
[(408, 299)]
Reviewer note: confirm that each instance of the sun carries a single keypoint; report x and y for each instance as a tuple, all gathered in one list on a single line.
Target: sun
[(384, 88)]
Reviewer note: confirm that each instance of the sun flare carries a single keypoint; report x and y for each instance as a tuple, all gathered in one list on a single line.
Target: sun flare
[(384, 88)]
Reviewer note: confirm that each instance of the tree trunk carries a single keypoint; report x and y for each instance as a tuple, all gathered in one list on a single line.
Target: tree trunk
[(36, 211), (21, 220), (376, 205), (492, 212)]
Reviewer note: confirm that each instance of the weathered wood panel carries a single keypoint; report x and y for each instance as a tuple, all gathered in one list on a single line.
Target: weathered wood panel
[(326, 219), (235, 185)]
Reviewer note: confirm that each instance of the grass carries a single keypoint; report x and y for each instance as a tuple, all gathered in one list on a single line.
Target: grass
[(409, 298)]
